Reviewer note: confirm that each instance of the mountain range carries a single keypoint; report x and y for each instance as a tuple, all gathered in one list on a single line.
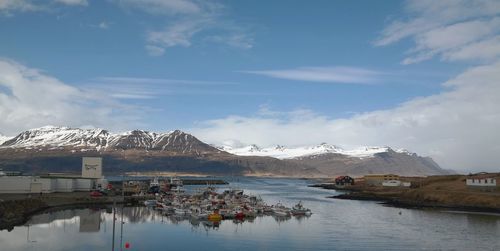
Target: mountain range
[(59, 149)]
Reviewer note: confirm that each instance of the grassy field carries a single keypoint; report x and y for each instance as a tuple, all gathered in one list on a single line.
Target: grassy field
[(448, 191)]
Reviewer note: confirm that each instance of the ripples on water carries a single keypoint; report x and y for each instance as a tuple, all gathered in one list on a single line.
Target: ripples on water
[(334, 225)]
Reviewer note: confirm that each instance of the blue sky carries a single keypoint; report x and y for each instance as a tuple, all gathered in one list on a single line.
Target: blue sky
[(220, 68)]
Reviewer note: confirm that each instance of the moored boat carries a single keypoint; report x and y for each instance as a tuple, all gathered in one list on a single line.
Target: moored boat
[(215, 216), (299, 209)]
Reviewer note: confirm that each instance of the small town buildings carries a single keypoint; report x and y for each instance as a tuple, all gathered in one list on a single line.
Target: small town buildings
[(396, 183), (482, 180), (54, 183), (391, 183), (344, 181), (379, 179)]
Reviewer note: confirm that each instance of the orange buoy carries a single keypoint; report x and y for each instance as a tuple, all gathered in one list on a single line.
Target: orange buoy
[(127, 245)]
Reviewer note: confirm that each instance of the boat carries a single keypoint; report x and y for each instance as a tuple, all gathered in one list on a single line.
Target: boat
[(215, 216), (198, 213), (154, 182), (280, 210), (299, 209), (180, 212), (150, 203), (177, 189), (176, 182)]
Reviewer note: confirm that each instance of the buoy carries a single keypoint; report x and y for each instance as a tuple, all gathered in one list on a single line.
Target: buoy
[(127, 245)]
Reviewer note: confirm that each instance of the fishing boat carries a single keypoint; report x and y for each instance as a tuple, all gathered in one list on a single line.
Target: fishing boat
[(299, 209), (150, 203), (181, 212), (178, 189), (176, 182), (280, 210), (215, 216)]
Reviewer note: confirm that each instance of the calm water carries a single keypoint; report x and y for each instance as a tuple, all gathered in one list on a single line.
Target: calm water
[(334, 225)]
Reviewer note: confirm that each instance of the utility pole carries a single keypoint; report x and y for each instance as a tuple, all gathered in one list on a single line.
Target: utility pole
[(114, 220), (121, 220)]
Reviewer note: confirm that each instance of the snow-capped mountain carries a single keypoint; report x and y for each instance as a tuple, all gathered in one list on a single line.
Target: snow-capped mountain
[(57, 138), (282, 152), (59, 149), (3, 138)]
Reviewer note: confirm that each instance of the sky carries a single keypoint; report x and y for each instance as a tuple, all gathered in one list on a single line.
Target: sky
[(421, 75)]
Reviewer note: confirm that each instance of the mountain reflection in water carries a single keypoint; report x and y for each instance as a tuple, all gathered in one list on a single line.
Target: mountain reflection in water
[(334, 225)]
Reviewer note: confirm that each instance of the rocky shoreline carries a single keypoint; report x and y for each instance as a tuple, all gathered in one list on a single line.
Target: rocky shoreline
[(395, 201), (437, 192), (16, 212)]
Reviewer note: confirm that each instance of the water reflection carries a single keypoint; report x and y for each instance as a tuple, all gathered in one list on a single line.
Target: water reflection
[(335, 225)]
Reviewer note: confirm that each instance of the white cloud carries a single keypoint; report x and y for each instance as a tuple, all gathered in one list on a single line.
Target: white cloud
[(29, 98), (485, 50), (334, 74), (154, 50), (178, 34), (103, 25), (446, 28), (163, 7), (236, 40), (458, 128), (11, 6), (188, 19), (121, 88), (73, 2)]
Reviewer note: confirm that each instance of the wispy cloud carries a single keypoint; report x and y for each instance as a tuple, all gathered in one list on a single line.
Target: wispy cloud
[(154, 50), (189, 19), (177, 34), (138, 80), (73, 2), (9, 7), (452, 30), (334, 74), (237, 40), (162, 7), (104, 25), (151, 88), (458, 128)]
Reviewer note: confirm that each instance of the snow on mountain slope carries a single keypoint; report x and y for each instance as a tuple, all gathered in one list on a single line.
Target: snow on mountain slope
[(51, 137), (282, 152), (3, 138), (58, 137)]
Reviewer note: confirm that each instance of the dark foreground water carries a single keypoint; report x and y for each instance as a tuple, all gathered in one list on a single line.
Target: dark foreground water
[(334, 225)]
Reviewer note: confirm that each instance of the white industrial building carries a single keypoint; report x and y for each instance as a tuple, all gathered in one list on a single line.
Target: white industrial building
[(482, 180), (91, 179)]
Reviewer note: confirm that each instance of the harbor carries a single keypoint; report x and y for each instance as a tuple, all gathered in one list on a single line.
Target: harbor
[(209, 204), (171, 196), (333, 225)]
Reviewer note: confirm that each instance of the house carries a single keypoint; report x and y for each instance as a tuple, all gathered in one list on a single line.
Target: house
[(344, 181), (482, 180), (379, 179), (396, 183)]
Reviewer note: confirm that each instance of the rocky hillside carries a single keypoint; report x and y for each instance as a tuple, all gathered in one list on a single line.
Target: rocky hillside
[(51, 138), (384, 162), (333, 160), (59, 149)]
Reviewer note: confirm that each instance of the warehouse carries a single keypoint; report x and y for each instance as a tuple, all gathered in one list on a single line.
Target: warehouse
[(90, 179)]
